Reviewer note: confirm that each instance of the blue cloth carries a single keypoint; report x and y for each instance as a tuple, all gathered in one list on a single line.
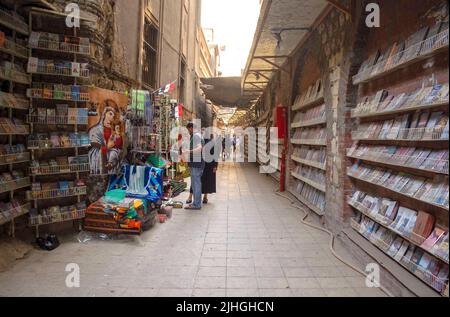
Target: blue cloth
[(196, 184), (142, 182)]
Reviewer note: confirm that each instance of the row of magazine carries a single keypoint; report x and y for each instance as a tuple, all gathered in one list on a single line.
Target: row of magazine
[(402, 52), (419, 262), (313, 93), (311, 173), (313, 114), (417, 226), (311, 134), (422, 125), (313, 196), (427, 190), (312, 154), (384, 102), (419, 158)]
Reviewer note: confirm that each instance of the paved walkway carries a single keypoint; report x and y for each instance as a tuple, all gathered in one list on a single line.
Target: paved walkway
[(246, 242)]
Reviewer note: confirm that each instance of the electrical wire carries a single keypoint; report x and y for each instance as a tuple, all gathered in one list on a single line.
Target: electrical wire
[(332, 239)]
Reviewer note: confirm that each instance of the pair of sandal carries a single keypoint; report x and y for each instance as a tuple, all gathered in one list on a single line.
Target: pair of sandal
[(205, 201)]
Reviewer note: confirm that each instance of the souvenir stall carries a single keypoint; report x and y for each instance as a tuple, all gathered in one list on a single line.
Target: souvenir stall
[(141, 192)]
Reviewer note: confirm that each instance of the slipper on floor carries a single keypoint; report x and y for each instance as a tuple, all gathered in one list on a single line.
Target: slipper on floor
[(190, 207)]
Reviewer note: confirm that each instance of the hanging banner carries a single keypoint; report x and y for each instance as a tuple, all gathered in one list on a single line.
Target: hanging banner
[(106, 131)]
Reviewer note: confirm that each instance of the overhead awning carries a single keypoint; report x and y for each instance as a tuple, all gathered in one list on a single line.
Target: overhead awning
[(282, 26), (225, 91)]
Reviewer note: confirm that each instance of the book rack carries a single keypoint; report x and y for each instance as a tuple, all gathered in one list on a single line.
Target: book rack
[(404, 137), (16, 158), (13, 185), (62, 58), (425, 276), (13, 102), (414, 239), (12, 48), (13, 23), (409, 107), (60, 120), (60, 95), (308, 128), (415, 134), (60, 71), (59, 169), (322, 166), (48, 145), (426, 49), (61, 47), (56, 193), (40, 220), (15, 212)]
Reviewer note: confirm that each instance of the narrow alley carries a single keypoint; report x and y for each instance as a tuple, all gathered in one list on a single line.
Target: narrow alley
[(247, 242)]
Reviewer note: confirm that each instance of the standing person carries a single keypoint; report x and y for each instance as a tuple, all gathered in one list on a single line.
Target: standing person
[(224, 149), (234, 144), (210, 171), (196, 165)]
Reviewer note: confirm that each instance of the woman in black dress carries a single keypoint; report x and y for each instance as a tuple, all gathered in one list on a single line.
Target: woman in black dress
[(210, 171)]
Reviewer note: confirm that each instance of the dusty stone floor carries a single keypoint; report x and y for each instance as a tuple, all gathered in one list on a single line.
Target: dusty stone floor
[(246, 242)]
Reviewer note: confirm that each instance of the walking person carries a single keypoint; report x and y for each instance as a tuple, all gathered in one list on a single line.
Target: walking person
[(196, 166)]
